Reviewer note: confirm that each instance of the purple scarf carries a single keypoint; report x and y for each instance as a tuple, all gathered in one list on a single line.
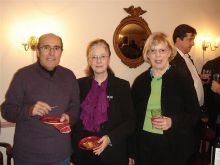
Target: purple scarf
[(94, 107)]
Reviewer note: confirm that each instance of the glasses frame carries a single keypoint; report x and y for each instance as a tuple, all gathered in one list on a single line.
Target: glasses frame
[(99, 58), (48, 48), (158, 51)]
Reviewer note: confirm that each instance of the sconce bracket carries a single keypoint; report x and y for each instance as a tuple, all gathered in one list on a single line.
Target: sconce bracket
[(31, 43)]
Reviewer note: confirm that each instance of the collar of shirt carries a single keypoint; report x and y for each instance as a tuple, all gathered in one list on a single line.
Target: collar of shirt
[(180, 52), (183, 55)]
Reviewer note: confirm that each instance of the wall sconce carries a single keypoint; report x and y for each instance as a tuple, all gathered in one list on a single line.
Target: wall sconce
[(31, 43), (208, 42), (213, 45)]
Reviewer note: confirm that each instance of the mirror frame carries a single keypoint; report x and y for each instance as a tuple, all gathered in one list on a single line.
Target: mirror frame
[(134, 18)]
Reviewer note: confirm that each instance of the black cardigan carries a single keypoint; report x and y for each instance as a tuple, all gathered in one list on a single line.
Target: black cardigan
[(178, 101), (121, 118)]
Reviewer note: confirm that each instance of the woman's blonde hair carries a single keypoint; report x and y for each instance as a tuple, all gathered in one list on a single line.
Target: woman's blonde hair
[(89, 70), (155, 39)]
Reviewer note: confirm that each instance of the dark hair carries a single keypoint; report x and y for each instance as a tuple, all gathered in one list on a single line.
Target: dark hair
[(89, 70), (181, 30), (44, 35), (125, 40)]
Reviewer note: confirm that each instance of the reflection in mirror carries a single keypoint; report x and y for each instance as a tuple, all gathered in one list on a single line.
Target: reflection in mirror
[(130, 36), (131, 40)]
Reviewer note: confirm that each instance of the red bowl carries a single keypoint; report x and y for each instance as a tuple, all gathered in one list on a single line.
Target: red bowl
[(89, 143)]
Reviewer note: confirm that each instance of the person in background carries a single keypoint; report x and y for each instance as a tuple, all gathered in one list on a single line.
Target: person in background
[(165, 139), (215, 87), (212, 91), (133, 44), (42, 89), (106, 110), (183, 38), (128, 50)]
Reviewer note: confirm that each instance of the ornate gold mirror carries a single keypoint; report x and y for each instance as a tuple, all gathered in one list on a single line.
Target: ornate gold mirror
[(130, 36)]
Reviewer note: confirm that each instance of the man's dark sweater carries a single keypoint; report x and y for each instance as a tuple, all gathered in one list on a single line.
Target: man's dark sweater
[(34, 141)]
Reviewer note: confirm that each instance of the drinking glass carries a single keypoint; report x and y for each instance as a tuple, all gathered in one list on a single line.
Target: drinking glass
[(206, 75), (155, 113), (216, 77)]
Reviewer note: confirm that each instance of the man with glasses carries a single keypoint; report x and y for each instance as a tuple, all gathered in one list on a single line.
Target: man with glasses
[(183, 38), (42, 89)]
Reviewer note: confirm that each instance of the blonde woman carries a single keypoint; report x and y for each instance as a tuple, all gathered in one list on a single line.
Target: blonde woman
[(164, 139), (106, 110)]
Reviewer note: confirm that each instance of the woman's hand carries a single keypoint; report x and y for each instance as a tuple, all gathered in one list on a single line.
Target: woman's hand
[(104, 142), (163, 123), (131, 161)]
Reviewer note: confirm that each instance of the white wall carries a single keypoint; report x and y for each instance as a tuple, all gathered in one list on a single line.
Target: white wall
[(80, 21)]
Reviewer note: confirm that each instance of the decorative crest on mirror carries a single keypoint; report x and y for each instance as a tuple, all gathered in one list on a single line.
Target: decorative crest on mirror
[(130, 36)]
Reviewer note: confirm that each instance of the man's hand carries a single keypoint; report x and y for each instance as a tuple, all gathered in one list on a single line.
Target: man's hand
[(40, 109), (65, 118)]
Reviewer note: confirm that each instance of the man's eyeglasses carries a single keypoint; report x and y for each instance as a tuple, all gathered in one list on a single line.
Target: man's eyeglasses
[(160, 51), (48, 48), (101, 58)]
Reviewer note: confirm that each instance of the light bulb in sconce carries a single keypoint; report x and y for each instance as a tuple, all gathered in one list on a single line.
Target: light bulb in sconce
[(213, 45), (31, 43)]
